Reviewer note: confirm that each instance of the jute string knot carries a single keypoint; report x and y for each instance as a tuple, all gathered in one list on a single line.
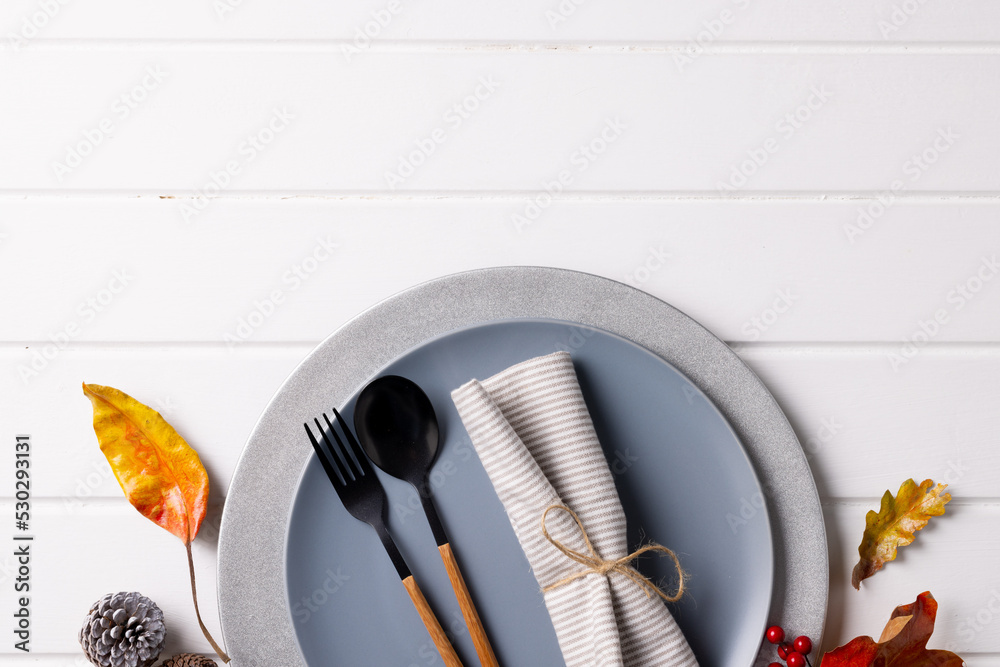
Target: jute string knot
[(594, 564)]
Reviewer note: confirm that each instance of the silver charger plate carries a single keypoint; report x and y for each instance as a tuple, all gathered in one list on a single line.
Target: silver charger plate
[(255, 571)]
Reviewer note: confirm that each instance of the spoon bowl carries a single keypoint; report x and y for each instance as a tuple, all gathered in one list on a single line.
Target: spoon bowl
[(398, 428)]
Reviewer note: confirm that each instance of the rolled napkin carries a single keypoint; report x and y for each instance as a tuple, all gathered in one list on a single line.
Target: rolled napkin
[(533, 433)]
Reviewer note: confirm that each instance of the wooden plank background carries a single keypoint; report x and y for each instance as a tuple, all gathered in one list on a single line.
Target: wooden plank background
[(169, 171)]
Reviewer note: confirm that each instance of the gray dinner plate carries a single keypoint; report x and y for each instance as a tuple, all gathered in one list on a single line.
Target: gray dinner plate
[(679, 468), (685, 425)]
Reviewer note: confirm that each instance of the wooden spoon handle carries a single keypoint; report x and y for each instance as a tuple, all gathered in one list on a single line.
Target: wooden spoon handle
[(444, 647), (479, 638)]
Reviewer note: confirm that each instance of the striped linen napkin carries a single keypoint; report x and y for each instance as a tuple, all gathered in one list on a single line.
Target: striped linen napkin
[(533, 432)]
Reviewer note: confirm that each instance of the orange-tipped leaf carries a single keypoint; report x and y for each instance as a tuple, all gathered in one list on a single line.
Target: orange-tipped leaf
[(160, 474)]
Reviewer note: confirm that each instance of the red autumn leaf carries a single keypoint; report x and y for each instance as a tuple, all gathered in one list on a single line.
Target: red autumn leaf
[(903, 642)]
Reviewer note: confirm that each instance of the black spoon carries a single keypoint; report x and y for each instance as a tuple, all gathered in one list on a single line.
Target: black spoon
[(398, 429)]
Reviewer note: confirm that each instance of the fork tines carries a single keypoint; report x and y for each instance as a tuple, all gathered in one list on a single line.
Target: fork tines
[(355, 481), (343, 464)]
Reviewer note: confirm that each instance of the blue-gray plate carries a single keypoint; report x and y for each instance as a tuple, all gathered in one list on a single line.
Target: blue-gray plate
[(680, 471)]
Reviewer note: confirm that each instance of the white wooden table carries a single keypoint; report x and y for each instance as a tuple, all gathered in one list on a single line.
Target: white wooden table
[(194, 194)]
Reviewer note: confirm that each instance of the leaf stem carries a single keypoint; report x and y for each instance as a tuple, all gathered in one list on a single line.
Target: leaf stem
[(194, 595)]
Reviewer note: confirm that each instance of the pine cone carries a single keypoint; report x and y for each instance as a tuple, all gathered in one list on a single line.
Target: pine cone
[(189, 660), (123, 630)]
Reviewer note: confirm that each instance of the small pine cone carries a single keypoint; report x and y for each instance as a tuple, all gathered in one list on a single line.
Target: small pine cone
[(123, 630), (189, 660)]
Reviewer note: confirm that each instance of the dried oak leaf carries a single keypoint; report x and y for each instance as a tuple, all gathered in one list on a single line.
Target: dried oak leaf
[(903, 642), (894, 524)]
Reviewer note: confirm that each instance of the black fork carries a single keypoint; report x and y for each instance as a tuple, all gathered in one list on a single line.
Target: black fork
[(364, 498)]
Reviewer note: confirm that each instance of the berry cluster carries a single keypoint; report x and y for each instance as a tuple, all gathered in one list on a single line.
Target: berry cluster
[(795, 654)]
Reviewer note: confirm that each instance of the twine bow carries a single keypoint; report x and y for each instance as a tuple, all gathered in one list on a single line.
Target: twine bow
[(595, 564)]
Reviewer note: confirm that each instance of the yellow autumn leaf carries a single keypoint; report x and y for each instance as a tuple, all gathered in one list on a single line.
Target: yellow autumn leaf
[(895, 523), (160, 474)]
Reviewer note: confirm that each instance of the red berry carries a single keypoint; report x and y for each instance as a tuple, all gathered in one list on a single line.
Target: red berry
[(784, 650), (803, 645), (775, 664), (775, 634), (796, 659)]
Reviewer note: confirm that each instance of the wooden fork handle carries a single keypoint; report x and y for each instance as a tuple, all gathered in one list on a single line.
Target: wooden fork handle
[(479, 638), (444, 646)]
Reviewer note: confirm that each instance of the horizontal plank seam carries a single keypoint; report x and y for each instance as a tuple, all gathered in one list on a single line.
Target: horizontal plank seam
[(637, 47), (377, 195), (116, 346), (863, 347)]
